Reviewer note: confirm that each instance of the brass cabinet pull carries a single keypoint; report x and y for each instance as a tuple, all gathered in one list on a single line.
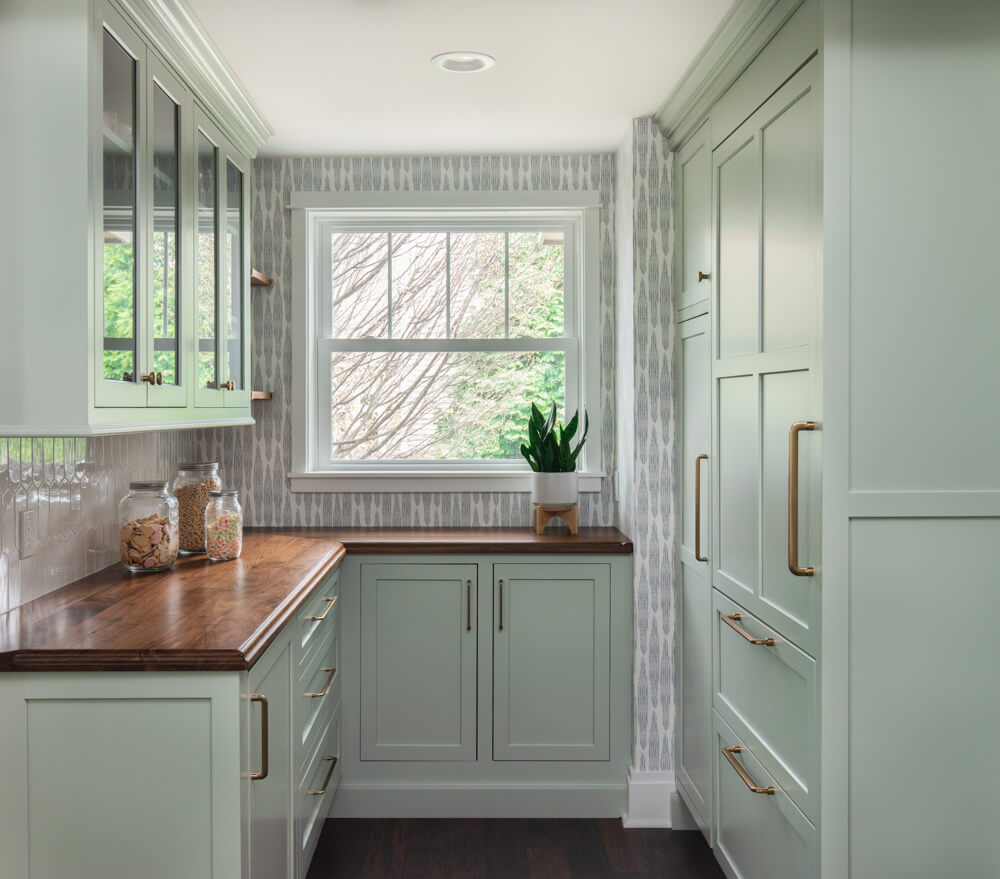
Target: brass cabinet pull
[(501, 605), (697, 508), (704, 276), (150, 377), (228, 386), (257, 776), (326, 781), (468, 605), (326, 686), (326, 612), (793, 498), (159, 378), (742, 773), (733, 621)]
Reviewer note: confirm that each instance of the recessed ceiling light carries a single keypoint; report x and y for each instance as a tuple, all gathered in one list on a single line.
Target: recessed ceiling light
[(463, 62)]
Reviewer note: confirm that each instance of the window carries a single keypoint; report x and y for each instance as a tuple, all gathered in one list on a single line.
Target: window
[(427, 330)]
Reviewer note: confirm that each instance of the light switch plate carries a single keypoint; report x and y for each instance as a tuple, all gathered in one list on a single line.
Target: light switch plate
[(28, 534)]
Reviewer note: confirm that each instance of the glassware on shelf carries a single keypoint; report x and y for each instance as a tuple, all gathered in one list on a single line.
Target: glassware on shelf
[(223, 525), (148, 523)]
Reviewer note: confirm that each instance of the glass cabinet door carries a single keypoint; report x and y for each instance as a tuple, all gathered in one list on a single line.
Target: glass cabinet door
[(209, 379), (235, 287), (119, 368)]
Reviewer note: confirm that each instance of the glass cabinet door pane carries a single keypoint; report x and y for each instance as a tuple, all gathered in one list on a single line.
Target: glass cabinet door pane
[(166, 218), (234, 278), (208, 175), (119, 183)]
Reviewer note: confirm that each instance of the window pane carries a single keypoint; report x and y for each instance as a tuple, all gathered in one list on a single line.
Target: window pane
[(360, 285), (458, 405), (119, 168), (208, 175), (477, 285), (419, 285), (536, 284), (233, 310), (166, 115)]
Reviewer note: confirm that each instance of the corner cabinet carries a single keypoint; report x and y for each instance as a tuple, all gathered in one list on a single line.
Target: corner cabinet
[(128, 176)]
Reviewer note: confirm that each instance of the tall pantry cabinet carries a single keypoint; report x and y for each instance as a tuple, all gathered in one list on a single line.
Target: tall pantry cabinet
[(854, 512)]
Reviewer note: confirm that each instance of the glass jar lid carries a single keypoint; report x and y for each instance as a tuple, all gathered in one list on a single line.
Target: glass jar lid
[(155, 485), (223, 492), (199, 465)]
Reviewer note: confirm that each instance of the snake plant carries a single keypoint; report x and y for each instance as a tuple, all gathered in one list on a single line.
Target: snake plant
[(549, 448)]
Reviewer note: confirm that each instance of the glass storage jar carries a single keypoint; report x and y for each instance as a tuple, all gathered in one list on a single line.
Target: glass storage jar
[(148, 527), (223, 525), (191, 487)]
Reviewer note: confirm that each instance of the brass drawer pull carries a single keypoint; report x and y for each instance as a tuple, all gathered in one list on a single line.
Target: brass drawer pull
[(257, 776), (501, 605), (704, 276), (326, 686), (697, 508), (733, 621), (326, 781), (793, 498), (468, 605), (326, 612), (742, 773)]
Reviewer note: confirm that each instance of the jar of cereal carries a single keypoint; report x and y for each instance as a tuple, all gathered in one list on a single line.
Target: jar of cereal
[(223, 525), (191, 486), (148, 527)]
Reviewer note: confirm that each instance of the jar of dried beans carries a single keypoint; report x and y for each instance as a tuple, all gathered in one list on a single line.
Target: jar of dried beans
[(148, 527), (223, 526), (191, 486)]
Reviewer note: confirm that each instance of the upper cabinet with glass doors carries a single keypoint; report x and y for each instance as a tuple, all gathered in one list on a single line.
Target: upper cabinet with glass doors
[(140, 318)]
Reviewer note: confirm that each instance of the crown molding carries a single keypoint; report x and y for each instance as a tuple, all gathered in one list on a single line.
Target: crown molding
[(739, 38), (182, 41)]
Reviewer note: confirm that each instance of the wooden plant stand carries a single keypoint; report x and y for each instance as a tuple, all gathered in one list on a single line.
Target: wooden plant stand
[(570, 515)]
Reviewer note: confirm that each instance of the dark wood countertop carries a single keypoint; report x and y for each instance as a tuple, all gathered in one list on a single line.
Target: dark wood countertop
[(198, 616), (601, 540), (222, 616)]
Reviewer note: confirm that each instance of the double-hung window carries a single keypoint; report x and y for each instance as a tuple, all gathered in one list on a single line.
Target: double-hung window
[(429, 326)]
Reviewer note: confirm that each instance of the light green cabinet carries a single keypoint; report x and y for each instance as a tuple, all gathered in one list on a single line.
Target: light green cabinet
[(551, 662), (693, 205), (418, 662)]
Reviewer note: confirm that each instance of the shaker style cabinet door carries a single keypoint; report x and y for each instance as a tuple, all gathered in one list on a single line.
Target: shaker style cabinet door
[(767, 178), (693, 192), (694, 594), (551, 661), (418, 661)]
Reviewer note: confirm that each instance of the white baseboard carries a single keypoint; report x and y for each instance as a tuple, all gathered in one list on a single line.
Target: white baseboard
[(650, 796), (395, 800)]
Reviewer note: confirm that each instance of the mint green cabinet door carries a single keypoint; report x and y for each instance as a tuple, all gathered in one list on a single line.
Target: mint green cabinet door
[(418, 662), (270, 749), (551, 661)]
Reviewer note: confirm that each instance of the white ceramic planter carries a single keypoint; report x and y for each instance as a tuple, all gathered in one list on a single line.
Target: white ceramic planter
[(554, 491)]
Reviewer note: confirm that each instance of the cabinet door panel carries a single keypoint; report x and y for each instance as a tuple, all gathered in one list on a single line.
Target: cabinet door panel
[(694, 190), (418, 662), (233, 314), (551, 654)]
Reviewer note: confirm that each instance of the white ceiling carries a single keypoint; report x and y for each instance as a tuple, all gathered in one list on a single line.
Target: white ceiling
[(353, 77)]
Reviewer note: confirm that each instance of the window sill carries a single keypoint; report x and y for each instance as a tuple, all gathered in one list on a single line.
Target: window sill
[(425, 481)]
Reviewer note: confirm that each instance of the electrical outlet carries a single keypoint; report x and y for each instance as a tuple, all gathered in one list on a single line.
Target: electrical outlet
[(29, 534)]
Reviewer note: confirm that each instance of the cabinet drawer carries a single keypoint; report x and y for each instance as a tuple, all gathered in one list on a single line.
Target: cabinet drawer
[(316, 792), (319, 613), (758, 835), (768, 693), (314, 712), (322, 649)]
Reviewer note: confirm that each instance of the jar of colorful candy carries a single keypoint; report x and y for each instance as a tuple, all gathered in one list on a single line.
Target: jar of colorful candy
[(223, 525)]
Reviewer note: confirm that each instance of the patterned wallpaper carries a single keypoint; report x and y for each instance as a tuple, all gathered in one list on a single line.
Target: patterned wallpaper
[(651, 497), (73, 485), (256, 459)]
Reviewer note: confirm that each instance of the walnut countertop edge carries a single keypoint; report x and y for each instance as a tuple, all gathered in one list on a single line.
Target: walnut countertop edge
[(222, 616)]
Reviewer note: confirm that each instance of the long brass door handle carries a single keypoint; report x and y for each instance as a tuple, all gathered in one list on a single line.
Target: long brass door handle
[(697, 508), (733, 621), (793, 498), (468, 605), (501, 605), (742, 773), (257, 776), (329, 775), (326, 686), (326, 613)]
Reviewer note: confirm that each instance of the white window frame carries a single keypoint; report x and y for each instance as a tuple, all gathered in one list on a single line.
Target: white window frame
[(316, 214)]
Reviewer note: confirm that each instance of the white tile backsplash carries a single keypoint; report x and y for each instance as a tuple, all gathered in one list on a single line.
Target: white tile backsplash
[(73, 484)]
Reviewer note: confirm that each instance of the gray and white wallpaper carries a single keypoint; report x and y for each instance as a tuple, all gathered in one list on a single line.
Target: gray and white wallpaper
[(651, 492), (256, 459)]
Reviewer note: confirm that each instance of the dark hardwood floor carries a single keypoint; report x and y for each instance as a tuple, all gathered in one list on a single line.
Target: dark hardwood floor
[(474, 848)]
